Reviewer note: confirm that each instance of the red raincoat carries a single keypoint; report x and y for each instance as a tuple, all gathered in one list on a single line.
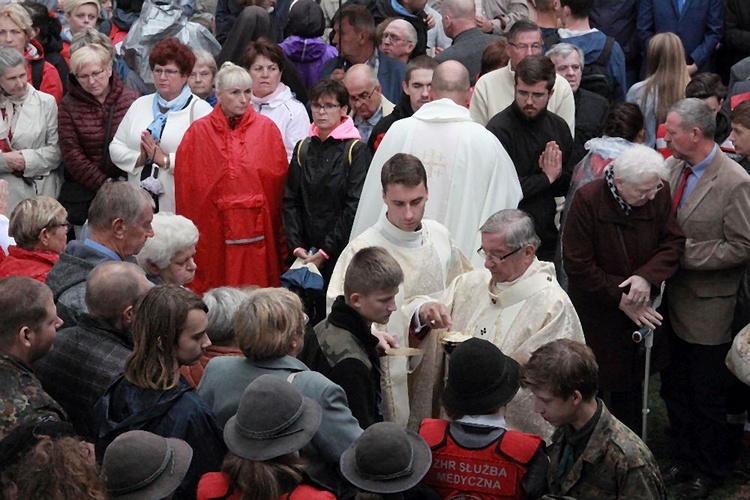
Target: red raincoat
[(230, 182), (32, 263)]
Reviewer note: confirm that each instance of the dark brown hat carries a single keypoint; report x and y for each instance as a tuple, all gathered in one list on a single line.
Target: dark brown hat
[(272, 419), (481, 379), (140, 465), (386, 459)]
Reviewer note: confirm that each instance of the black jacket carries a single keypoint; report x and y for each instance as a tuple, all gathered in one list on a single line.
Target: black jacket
[(591, 110), (525, 139), (321, 196), (401, 110), (382, 10)]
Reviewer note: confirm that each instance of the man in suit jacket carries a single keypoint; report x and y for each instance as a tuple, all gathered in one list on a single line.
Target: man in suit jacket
[(468, 41), (355, 38), (698, 23), (712, 199)]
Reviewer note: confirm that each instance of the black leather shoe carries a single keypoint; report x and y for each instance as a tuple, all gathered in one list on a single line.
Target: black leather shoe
[(698, 488), (675, 475)]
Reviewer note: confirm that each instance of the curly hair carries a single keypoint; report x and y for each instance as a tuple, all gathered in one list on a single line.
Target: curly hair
[(55, 469)]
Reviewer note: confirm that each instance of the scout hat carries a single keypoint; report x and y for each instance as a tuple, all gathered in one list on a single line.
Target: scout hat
[(386, 459), (481, 379), (273, 419), (140, 465)]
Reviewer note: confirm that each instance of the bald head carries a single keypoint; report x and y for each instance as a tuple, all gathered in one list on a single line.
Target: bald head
[(113, 287), (451, 81), (459, 9), (360, 74)]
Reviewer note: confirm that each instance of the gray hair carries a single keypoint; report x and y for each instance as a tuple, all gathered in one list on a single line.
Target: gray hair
[(516, 225), (695, 113), (411, 32), (204, 58), (223, 302), (117, 200), (230, 75), (564, 50), (172, 234), (10, 58), (638, 162), (112, 287)]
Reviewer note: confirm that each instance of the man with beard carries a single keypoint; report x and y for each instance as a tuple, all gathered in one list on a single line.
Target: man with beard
[(540, 145), (88, 357)]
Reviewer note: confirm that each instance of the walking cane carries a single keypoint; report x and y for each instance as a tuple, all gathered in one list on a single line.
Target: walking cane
[(646, 335)]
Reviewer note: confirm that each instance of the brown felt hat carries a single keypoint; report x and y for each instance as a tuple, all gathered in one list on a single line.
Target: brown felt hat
[(140, 465)]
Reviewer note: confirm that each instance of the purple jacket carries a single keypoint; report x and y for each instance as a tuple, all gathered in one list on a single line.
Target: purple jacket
[(308, 55)]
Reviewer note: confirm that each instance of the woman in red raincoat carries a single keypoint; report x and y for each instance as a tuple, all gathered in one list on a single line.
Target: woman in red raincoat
[(229, 180)]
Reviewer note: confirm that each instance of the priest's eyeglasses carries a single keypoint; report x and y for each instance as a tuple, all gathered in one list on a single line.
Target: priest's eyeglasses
[(495, 259)]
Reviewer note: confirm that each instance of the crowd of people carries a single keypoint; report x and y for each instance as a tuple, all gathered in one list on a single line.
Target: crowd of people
[(387, 249)]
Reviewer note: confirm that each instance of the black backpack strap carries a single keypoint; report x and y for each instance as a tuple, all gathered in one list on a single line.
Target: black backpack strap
[(37, 72), (606, 51)]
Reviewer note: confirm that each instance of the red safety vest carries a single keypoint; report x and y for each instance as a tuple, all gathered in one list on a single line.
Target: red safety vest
[(494, 471)]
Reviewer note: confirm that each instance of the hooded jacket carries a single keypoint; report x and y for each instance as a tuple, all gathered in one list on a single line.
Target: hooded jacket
[(322, 191), (230, 185), (51, 82), (32, 263), (308, 55), (174, 413), (289, 115)]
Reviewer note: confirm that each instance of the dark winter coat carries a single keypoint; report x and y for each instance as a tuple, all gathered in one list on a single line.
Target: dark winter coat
[(176, 413), (591, 110), (82, 122), (602, 247)]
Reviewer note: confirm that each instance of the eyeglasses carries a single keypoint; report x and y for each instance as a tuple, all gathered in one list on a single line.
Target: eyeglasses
[(363, 96), (524, 47), (393, 38), (494, 258), (54, 225), (645, 193), (328, 108), (535, 96), (165, 72), (94, 75)]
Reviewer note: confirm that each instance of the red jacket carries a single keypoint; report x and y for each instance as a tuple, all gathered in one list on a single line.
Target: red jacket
[(216, 485), (32, 263), (82, 122), (229, 182), (51, 83)]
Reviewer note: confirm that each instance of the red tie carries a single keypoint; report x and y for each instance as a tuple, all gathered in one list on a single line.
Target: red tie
[(681, 188)]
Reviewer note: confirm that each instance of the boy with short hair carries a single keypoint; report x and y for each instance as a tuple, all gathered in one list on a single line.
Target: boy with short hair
[(592, 455), (474, 455), (342, 346)]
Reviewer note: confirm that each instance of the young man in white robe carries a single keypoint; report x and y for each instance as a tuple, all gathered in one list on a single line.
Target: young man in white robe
[(430, 260), (469, 172), (514, 302)]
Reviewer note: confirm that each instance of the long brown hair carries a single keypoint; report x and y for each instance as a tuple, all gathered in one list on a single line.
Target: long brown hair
[(159, 320), (666, 72), (263, 480)]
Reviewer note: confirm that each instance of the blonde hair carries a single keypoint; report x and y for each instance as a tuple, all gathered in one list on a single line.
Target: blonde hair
[(19, 16), (267, 321), (204, 58), (666, 72), (31, 216), (71, 5), (230, 75), (90, 54)]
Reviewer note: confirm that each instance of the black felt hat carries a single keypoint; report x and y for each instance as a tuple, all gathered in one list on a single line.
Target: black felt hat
[(481, 379)]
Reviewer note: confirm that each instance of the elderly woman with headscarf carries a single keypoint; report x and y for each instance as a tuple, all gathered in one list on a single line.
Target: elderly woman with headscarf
[(40, 228), (232, 165), (621, 241), (168, 256), (28, 133), (147, 139)]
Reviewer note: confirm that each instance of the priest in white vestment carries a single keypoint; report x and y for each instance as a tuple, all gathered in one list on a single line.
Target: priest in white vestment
[(514, 302), (430, 261), (469, 172)]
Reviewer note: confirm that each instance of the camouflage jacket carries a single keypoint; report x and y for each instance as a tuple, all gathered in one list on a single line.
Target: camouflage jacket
[(22, 398), (614, 464)]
